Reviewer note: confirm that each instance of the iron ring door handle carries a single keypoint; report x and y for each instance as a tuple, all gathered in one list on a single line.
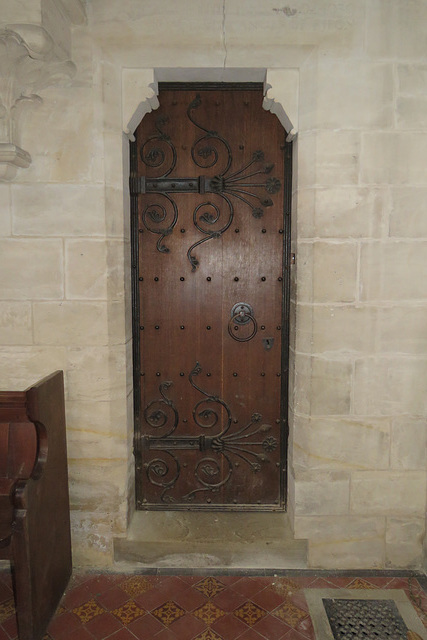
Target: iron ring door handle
[(242, 314)]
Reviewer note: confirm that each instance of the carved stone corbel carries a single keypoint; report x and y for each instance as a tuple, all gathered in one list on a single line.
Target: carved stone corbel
[(281, 98), (27, 65)]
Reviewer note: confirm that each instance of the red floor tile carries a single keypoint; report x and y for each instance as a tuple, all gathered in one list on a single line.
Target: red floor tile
[(146, 627), (103, 625), (77, 596), (187, 627), (229, 600), (251, 634), (189, 599), (80, 634), (247, 586), (113, 598), (10, 626), (229, 627), (123, 634), (268, 599), (62, 625), (5, 592), (294, 635), (271, 628), (166, 634), (271, 608), (306, 628)]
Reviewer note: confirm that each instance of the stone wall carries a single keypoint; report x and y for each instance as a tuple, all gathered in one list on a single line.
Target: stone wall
[(357, 450)]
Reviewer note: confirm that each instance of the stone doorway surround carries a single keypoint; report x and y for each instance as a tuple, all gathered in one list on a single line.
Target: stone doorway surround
[(250, 540)]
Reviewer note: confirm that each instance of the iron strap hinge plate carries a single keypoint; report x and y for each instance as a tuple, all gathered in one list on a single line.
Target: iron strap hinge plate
[(202, 184)]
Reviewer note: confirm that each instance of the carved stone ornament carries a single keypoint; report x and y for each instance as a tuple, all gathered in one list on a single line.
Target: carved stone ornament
[(28, 64)]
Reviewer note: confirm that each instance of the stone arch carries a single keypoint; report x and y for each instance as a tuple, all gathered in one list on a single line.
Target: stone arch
[(140, 90)]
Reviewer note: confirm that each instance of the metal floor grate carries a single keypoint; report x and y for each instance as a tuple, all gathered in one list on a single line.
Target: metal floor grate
[(365, 619)]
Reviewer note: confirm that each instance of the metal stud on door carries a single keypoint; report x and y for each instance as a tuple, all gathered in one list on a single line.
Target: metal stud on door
[(208, 218)]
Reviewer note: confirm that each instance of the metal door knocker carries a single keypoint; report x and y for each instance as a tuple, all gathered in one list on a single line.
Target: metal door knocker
[(242, 314)]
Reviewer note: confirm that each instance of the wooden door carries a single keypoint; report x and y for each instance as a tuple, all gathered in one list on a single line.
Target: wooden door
[(209, 187)]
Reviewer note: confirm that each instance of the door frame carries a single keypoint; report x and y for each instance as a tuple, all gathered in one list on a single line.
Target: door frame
[(286, 268)]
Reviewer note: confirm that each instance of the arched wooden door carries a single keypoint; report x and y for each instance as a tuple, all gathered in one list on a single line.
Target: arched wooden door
[(210, 193)]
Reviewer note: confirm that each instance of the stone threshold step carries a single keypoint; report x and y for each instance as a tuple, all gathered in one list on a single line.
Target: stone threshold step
[(211, 540)]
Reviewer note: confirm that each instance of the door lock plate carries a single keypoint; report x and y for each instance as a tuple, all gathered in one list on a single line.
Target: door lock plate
[(268, 343)]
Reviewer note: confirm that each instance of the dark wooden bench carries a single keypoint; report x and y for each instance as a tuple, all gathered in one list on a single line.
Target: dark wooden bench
[(34, 504)]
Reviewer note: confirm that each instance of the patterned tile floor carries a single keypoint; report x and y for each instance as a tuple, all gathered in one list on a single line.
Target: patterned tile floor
[(194, 607)]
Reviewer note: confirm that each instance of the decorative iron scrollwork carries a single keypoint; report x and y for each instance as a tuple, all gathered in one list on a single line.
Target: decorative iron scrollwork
[(250, 443), (158, 152)]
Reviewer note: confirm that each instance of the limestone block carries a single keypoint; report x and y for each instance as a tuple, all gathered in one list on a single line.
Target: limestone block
[(390, 386), (343, 542), (86, 269), (322, 493), (403, 329), (302, 276), (70, 323), (381, 28), (103, 418), (304, 150), (337, 157), (113, 160), (411, 113), (356, 95), (404, 542), (388, 493), (408, 443), (342, 212), (301, 365), (411, 35), (5, 215), (117, 213), (119, 323), (301, 327), (118, 268), (83, 444), (291, 21), (21, 367), (112, 107), (332, 329), (58, 210), (92, 539), (331, 269), (31, 269), (96, 373), (303, 321), (331, 443), (292, 381), (130, 35), (396, 29), (393, 157), (412, 79), (407, 216), (61, 134), (391, 271), (15, 323), (83, 55), (97, 484), (330, 387), (322, 387)]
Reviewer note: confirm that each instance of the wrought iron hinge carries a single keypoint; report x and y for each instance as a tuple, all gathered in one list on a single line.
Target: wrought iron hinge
[(136, 185), (292, 258)]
